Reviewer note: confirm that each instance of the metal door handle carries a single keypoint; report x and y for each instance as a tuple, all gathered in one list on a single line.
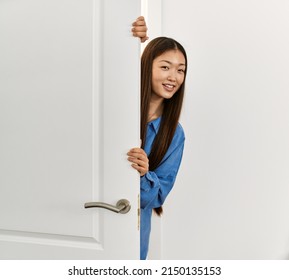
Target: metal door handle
[(122, 206)]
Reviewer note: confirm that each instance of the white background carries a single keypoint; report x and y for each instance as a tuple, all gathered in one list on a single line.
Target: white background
[(230, 200)]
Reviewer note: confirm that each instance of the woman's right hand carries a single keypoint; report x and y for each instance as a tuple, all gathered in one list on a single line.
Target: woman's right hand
[(139, 160), (139, 29)]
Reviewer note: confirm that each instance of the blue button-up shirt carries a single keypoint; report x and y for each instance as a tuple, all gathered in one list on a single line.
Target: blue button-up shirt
[(156, 185)]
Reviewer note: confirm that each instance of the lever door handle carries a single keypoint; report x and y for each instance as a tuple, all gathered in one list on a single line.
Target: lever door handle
[(122, 206)]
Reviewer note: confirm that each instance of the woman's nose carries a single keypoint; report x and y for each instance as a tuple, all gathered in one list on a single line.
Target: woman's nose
[(172, 77)]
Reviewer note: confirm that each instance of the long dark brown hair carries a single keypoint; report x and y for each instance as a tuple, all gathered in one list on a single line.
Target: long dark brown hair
[(171, 107)]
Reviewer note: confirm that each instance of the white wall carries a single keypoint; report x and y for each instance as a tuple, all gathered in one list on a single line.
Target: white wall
[(230, 200)]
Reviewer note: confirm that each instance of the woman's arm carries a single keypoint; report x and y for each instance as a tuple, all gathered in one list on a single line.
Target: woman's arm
[(156, 185)]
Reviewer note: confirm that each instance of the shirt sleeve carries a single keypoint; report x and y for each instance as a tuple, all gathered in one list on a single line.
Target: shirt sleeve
[(156, 185)]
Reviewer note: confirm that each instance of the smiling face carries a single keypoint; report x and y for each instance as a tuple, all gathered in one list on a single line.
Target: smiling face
[(168, 74)]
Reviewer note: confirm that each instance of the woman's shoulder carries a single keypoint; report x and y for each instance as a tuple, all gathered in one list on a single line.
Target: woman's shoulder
[(179, 134)]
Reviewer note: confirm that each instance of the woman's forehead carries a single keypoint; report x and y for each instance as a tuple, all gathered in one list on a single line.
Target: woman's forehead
[(172, 57)]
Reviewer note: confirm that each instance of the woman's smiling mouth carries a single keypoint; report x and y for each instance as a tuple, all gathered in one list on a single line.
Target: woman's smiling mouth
[(169, 87)]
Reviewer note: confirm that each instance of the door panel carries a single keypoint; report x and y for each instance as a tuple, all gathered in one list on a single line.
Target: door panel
[(65, 90)]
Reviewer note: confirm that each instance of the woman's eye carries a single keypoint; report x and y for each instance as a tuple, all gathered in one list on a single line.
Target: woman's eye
[(182, 70), (165, 67)]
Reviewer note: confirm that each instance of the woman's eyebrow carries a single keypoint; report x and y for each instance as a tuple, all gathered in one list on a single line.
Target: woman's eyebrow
[(169, 62)]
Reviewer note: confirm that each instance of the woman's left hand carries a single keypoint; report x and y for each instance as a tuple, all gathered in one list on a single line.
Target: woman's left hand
[(139, 160)]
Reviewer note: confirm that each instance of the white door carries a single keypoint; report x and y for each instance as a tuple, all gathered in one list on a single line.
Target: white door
[(69, 83)]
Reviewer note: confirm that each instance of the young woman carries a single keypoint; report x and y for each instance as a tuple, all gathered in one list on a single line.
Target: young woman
[(163, 73)]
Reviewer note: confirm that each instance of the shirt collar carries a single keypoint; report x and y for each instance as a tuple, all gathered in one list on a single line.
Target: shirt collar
[(155, 124)]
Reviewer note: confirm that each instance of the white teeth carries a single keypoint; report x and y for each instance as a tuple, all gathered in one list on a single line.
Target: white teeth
[(169, 86)]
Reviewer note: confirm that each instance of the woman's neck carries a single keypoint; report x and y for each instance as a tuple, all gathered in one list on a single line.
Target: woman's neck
[(155, 110)]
